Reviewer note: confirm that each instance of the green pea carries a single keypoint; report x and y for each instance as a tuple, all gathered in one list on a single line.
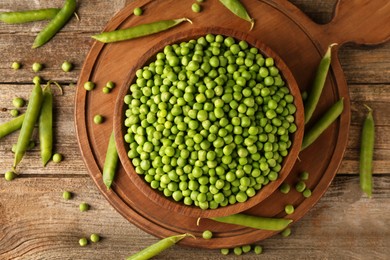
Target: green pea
[(14, 112), (237, 251), (83, 207), (89, 85), (16, 65), (196, 8), (67, 195), (66, 66), (98, 119), (9, 175), (57, 157), (137, 11), (246, 248), (289, 209), (207, 234), (286, 232), (18, 102), (225, 251), (106, 90), (300, 186), (258, 250), (306, 193), (36, 67), (83, 241), (304, 176), (37, 80), (94, 238)]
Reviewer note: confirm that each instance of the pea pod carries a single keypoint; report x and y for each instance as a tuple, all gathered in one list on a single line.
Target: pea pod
[(318, 84), (138, 31), (272, 224), (29, 15), (158, 247), (56, 23), (366, 153), (46, 126), (321, 125), (110, 163), (237, 8), (11, 126), (31, 116)]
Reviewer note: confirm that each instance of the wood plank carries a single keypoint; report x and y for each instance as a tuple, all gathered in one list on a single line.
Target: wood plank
[(35, 223)]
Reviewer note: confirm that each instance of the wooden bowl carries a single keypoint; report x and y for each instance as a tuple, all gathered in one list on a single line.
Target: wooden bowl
[(179, 207)]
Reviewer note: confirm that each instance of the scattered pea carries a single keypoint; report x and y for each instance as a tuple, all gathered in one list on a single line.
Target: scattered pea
[(83, 241), (207, 234), (237, 250), (106, 90), (258, 249), (137, 11), (16, 65), (196, 8), (225, 251), (37, 67), (67, 66), (306, 193), (18, 102), (9, 175), (284, 188), (110, 84), (300, 186), (304, 176), (246, 248), (89, 85), (98, 119), (14, 112), (57, 157), (67, 195), (286, 232), (95, 238), (83, 207), (289, 209)]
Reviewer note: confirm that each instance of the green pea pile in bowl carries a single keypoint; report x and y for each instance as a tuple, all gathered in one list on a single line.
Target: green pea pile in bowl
[(209, 122)]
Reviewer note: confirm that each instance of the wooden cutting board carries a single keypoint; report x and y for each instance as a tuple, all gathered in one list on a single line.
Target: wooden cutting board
[(280, 25)]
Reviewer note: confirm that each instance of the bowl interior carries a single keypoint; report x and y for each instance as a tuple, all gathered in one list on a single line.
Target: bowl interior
[(179, 207)]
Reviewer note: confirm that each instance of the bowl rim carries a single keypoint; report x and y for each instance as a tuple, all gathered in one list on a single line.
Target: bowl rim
[(179, 207)]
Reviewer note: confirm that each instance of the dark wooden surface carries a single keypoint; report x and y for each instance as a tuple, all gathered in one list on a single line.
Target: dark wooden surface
[(36, 223)]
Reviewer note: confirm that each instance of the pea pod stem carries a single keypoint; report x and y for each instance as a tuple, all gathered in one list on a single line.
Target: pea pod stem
[(318, 84), (138, 31), (263, 223), (158, 247), (366, 153), (237, 8), (110, 163), (29, 15), (31, 116), (55, 24), (323, 123), (11, 126)]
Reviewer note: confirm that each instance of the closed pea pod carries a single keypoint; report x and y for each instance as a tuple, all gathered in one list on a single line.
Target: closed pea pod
[(236, 7), (110, 163), (138, 31), (11, 126), (321, 125), (31, 116), (366, 153), (318, 84), (29, 15), (263, 223), (55, 24), (158, 247)]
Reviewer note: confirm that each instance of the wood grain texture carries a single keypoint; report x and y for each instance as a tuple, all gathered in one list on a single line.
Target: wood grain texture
[(35, 223)]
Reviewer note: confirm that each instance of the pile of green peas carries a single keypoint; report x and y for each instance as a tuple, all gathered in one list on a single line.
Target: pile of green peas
[(209, 121)]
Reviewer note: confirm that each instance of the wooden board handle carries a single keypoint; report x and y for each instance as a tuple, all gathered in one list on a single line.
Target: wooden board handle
[(360, 22)]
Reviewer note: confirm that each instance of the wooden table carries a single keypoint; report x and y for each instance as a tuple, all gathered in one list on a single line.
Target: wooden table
[(36, 223)]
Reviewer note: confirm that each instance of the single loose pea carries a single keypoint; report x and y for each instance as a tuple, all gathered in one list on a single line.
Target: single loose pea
[(84, 206), (83, 241), (106, 90), (246, 248), (237, 250), (14, 112), (9, 176), (196, 8), (67, 195), (98, 119), (284, 188), (207, 234), (225, 251), (16, 65), (110, 84), (89, 85), (18, 102), (95, 238), (306, 193), (37, 67), (300, 186), (289, 209), (258, 249), (66, 66), (137, 11), (286, 232), (57, 157), (304, 176)]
